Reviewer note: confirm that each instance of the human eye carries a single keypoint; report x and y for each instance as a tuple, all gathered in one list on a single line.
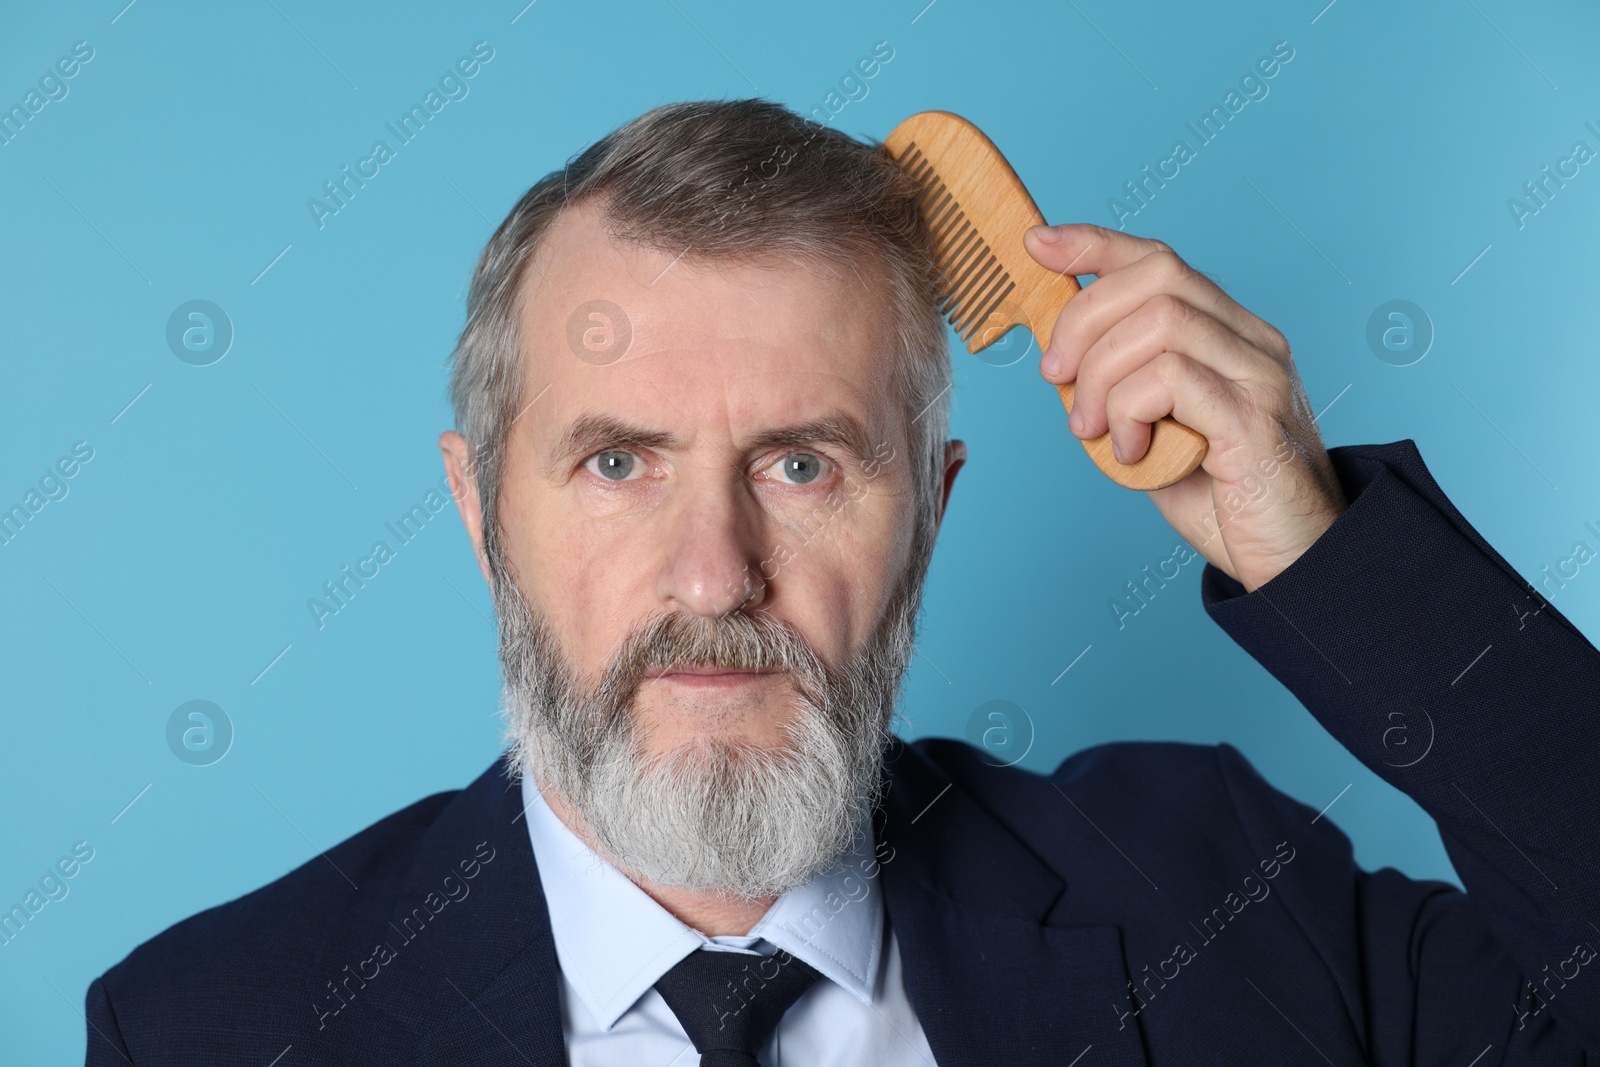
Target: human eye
[(801, 468), (614, 465)]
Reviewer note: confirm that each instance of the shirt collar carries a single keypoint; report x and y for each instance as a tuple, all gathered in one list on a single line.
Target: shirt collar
[(614, 941)]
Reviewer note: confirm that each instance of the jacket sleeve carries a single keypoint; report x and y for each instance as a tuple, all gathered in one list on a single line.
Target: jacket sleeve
[(106, 1047), (1426, 655)]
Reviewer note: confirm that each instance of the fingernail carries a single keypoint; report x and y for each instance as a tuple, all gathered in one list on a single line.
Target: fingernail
[(1050, 364), (1075, 422), (1116, 453), (1048, 234)]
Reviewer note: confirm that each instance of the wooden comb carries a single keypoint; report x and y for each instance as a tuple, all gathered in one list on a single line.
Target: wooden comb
[(977, 209)]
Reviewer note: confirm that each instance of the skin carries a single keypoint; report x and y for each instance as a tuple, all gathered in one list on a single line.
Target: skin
[(719, 353), (1153, 336), (722, 352)]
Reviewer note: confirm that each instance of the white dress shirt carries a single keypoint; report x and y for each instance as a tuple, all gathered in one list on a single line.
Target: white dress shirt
[(613, 941)]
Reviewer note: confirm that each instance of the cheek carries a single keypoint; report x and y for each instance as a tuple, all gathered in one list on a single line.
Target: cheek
[(571, 569), (884, 534), (824, 598), (837, 581)]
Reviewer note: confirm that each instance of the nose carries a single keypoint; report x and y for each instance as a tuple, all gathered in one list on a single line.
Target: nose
[(712, 563)]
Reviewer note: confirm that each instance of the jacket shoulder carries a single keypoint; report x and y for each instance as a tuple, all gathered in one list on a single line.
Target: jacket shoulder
[(1196, 806), (265, 936), (1141, 771)]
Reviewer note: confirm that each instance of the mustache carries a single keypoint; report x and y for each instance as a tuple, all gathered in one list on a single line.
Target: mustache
[(738, 641)]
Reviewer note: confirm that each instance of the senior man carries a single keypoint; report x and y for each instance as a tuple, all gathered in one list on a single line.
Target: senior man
[(701, 453)]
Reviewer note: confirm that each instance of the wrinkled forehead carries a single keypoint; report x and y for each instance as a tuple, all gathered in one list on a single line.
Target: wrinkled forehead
[(618, 323)]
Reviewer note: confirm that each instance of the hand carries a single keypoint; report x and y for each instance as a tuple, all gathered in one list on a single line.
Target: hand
[(1152, 336)]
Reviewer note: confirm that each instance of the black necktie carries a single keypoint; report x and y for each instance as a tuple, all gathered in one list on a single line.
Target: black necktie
[(730, 1002)]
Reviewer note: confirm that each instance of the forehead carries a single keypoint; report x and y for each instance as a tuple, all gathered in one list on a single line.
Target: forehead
[(612, 325)]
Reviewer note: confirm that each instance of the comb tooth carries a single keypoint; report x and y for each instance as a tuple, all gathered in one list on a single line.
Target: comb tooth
[(935, 201), (979, 298), (949, 224), (916, 164), (958, 313), (990, 303), (952, 245), (952, 218), (919, 172), (979, 282), (941, 292), (934, 214), (956, 298), (979, 266), (971, 283), (927, 178), (956, 225), (962, 313), (957, 275), (937, 204), (948, 287), (952, 235), (982, 303), (949, 306), (932, 194)]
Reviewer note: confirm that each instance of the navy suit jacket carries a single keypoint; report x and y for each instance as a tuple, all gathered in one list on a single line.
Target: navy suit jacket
[(1147, 903)]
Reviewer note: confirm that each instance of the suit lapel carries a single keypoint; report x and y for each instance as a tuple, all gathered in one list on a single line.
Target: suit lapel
[(478, 982), (991, 978), (992, 981)]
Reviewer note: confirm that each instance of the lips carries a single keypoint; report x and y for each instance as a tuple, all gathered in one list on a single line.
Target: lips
[(729, 673)]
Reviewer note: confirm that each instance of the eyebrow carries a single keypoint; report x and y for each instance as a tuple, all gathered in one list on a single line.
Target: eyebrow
[(595, 430)]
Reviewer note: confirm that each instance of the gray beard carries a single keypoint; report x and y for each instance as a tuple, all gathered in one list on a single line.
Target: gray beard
[(715, 815)]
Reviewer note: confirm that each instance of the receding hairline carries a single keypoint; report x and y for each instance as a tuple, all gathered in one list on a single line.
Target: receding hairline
[(710, 172), (841, 259), (875, 276)]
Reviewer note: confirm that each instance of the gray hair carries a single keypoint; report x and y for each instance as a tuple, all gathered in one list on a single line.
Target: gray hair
[(738, 180)]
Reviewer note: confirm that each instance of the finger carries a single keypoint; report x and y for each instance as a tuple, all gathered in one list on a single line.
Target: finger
[(1104, 303), (1083, 248), (1192, 393), (1163, 323)]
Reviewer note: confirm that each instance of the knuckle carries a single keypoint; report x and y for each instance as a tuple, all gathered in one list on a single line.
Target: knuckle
[(1277, 381), (1117, 399), (1175, 269), (1170, 311), (1170, 366), (1191, 277), (1080, 308), (1066, 341), (1284, 381), (1169, 262), (1089, 395), (1276, 399), (1277, 343), (1124, 400), (1252, 413)]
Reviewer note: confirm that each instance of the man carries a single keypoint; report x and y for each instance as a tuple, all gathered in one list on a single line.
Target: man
[(701, 399)]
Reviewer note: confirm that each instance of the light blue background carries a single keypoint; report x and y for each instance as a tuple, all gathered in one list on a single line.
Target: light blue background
[(178, 568)]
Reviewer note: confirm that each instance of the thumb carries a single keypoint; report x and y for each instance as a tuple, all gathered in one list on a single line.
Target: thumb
[(1054, 247)]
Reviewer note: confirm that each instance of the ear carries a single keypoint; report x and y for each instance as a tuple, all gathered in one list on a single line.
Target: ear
[(955, 454), (460, 470)]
